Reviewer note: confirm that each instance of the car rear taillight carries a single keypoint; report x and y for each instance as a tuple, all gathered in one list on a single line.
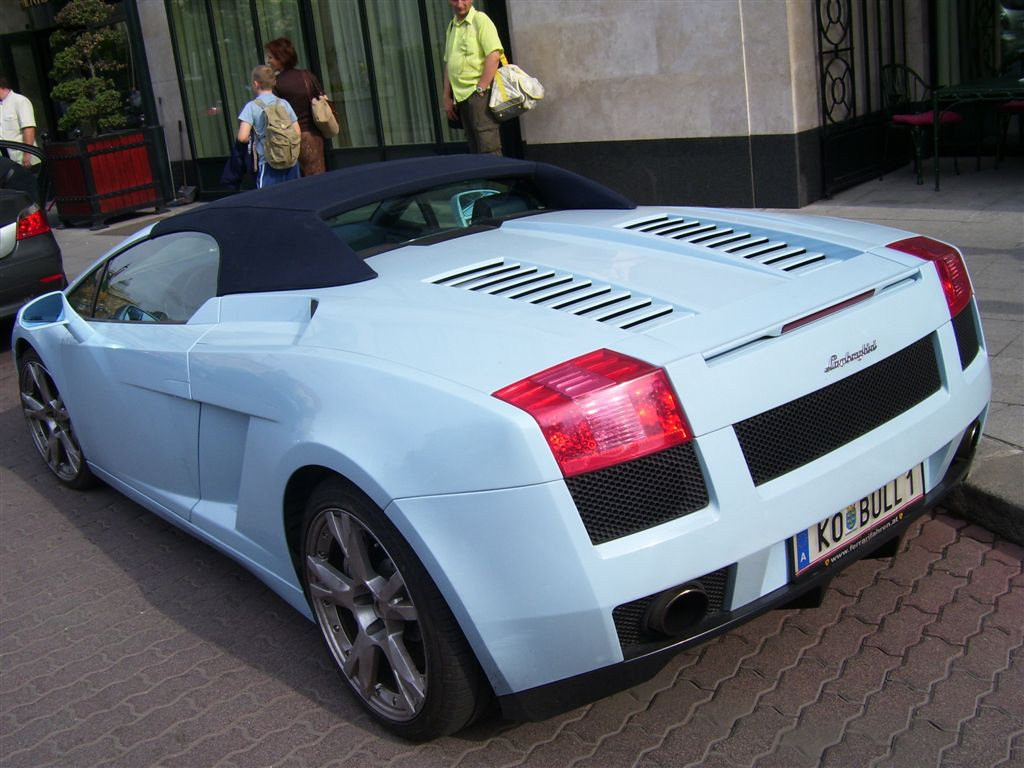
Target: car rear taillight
[(956, 285), (601, 409), (31, 222)]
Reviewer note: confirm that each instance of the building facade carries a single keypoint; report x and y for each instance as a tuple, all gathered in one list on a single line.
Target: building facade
[(718, 102)]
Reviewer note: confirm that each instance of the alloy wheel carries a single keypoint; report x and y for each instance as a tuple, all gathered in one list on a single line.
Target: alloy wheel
[(367, 615), (49, 423)]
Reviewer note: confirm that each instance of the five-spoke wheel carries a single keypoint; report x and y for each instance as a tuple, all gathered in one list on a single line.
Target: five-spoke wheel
[(386, 625), (49, 423)]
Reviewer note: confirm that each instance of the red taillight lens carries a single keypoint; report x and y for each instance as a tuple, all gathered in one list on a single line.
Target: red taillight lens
[(601, 409), (950, 265), (31, 222)]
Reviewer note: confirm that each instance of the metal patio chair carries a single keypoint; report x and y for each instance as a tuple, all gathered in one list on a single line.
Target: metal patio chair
[(909, 106)]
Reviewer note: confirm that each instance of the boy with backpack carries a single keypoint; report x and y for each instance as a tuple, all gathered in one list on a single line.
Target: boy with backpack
[(274, 129)]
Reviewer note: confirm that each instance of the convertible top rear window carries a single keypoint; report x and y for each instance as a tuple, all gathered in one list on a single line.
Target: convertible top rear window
[(447, 210), (281, 238)]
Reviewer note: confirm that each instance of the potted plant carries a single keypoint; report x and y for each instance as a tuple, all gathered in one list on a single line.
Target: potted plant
[(103, 172)]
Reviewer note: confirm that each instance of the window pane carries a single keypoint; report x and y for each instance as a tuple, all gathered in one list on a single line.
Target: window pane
[(445, 210), (339, 39), (280, 18), (439, 15), (200, 79), (236, 43), (82, 298), (162, 280), (400, 68)]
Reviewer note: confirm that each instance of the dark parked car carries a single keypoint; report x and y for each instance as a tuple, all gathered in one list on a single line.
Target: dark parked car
[(30, 260)]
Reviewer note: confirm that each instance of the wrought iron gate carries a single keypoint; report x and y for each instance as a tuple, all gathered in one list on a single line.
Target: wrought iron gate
[(946, 41), (856, 38)]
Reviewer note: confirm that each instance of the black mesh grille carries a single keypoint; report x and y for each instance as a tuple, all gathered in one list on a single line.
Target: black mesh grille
[(639, 494), (629, 617), (780, 440), (966, 336)]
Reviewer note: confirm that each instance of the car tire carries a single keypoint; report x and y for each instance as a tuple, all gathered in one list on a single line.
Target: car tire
[(386, 625), (49, 424)]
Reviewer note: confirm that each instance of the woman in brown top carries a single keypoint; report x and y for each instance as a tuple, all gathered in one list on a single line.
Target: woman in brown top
[(298, 87)]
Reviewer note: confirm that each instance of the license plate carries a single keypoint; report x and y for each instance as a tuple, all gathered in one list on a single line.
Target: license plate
[(843, 532)]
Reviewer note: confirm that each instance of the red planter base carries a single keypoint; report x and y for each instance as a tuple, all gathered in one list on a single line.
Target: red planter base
[(99, 178)]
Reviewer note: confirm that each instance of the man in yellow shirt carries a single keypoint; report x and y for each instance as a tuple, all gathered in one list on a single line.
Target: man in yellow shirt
[(472, 51)]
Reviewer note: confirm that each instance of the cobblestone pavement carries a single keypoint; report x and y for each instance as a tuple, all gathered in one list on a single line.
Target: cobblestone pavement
[(125, 642)]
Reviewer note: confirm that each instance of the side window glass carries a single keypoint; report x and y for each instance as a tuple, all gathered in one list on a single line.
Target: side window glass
[(161, 280), (83, 297)]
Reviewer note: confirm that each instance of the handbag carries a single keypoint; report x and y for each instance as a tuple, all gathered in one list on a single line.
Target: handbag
[(324, 117), (513, 92)]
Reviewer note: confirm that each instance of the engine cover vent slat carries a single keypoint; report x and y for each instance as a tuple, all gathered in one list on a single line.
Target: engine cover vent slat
[(748, 242), (621, 309), (722, 240), (693, 232), (648, 223), (675, 227), (770, 249), (540, 285), (655, 312), (482, 278), (500, 279), (558, 291), (591, 293), (601, 302), (457, 276), (561, 290), (777, 256), (805, 261), (710, 238), (526, 278), (760, 250)]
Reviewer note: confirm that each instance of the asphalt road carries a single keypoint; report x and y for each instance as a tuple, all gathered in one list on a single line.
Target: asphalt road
[(124, 642)]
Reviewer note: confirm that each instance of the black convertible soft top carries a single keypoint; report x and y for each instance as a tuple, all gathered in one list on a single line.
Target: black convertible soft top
[(275, 239)]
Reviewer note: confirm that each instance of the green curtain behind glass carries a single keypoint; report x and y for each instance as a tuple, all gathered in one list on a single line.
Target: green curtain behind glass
[(200, 80), (236, 43), (343, 62), (403, 86), (439, 14), (280, 18), (403, 91)]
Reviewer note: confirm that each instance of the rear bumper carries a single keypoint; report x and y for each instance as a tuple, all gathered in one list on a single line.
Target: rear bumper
[(560, 696)]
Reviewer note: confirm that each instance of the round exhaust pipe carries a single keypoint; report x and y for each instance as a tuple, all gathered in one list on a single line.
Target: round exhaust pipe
[(677, 610), (969, 442)]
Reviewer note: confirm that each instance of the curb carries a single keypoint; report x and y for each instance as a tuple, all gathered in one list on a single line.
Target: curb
[(990, 511)]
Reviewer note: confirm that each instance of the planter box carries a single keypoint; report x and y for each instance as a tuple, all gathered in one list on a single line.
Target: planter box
[(105, 176)]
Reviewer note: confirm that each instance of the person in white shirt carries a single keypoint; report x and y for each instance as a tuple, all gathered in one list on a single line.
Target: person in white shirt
[(17, 122)]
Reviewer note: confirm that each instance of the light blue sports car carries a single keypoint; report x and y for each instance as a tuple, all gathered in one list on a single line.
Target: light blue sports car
[(500, 432)]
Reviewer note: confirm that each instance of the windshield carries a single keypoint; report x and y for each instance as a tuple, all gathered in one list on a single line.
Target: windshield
[(432, 214)]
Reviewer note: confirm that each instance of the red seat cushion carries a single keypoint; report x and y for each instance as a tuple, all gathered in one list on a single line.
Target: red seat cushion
[(925, 118), (1015, 107)]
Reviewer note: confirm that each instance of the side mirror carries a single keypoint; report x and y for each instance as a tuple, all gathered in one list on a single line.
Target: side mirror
[(53, 309)]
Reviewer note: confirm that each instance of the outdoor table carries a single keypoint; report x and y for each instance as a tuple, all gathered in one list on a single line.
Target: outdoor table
[(1002, 88)]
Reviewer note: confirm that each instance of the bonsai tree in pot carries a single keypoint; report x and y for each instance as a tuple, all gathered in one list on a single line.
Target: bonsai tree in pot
[(105, 172), (86, 46)]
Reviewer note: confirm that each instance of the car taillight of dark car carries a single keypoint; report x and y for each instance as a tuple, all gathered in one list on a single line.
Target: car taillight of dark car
[(32, 222)]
